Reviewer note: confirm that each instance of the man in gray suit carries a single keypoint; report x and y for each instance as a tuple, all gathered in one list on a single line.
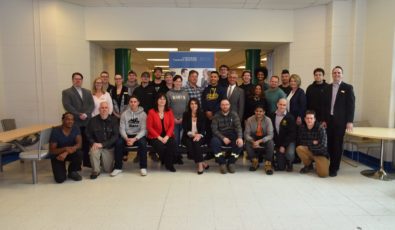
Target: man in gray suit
[(235, 95), (79, 102)]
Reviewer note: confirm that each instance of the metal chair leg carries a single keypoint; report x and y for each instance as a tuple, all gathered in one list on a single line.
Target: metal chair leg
[(34, 171)]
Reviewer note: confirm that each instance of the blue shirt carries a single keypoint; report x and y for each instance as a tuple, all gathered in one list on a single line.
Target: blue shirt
[(58, 137)]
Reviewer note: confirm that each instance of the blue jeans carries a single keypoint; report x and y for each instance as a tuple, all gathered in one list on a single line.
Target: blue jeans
[(288, 156), (119, 152)]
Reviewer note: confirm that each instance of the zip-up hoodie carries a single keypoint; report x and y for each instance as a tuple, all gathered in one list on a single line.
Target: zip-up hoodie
[(133, 123), (225, 123)]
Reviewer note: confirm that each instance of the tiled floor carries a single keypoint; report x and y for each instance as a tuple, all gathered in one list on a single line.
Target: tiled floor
[(185, 200)]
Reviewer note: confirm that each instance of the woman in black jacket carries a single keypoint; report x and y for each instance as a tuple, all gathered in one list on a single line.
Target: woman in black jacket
[(193, 124)]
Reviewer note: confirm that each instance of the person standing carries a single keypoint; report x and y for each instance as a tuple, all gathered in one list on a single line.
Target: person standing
[(120, 96), (105, 77), (296, 99), (193, 90), (315, 94), (235, 95), (79, 102), (145, 93), (273, 94), (132, 83), (223, 76), (285, 85), (339, 116)]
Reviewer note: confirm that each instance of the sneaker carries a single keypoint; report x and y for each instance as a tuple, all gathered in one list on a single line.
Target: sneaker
[(222, 169), (231, 168), (143, 172), (115, 172), (75, 176), (307, 169), (254, 164), (268, 168), (94, 175)]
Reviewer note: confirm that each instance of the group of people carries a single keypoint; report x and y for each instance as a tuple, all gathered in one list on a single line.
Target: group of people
[(271, 122)]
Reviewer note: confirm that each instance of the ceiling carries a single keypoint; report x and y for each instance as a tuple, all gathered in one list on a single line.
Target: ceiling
[(224, 4), (234, 58)]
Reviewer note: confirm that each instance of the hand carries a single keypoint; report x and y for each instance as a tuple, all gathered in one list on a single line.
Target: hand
[(177, 121), (130, 141), (324, 125), (281, 149), (256, 144), (62, 156), (239, 142), (83, 116), (226, 141), (298, 121), (315, 142), (197, 137), (165, 139), (349, 126), (96, 146), (71, 149)]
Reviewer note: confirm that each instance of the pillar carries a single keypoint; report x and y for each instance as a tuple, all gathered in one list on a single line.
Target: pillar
[(253, 61), (122, 62)]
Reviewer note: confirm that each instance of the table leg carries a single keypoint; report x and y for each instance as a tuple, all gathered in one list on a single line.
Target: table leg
[(380, 174)]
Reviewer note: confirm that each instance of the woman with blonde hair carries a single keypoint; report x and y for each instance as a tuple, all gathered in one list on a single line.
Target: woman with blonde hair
[(99, 95), (296, 99)]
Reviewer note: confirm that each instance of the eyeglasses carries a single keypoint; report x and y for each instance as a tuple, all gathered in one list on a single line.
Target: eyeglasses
[(98, 82), (118, 79)]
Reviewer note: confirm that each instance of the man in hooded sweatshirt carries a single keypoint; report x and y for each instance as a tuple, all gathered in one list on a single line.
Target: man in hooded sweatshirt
[(133, 130)]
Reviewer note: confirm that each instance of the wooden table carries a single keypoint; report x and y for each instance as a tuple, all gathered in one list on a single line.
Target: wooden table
[(381, 134), (14, 134)]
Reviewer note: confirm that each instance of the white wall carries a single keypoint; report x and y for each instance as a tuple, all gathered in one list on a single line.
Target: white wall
[(122, 23)]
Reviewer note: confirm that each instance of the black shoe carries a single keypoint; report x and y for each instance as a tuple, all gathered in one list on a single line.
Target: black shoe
[(154, 156), (75, 176), (289, 167), (171, 168), (332, 173), (94, 175), (209, 156), (179, 160), (307, 169)]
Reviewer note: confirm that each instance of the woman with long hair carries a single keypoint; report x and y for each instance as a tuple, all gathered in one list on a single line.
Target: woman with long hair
[(160, 128), (99, 95), (255, 98), (120, 96), (193, 123)]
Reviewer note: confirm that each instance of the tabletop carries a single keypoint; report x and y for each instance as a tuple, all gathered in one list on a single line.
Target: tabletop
[(14, 134), (373, 132)]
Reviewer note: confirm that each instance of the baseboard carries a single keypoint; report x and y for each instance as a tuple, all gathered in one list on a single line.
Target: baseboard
[(369, 160)]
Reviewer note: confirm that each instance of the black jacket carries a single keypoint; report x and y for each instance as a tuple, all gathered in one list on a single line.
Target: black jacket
[(344, 107), (187, 124), (287, 132), (102, 131), (146, 96), (315, 99)]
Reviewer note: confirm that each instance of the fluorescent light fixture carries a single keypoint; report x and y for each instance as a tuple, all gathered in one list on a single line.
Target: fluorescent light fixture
[(209, 50), (157, 49), (157, 59), (263, 59), (241, 67), (162, 66)]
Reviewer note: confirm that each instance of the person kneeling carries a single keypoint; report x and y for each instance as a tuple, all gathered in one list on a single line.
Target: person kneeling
[(259, 139), (312, 146), (227, 131), (64, 145), (102, 133), (132, 130)]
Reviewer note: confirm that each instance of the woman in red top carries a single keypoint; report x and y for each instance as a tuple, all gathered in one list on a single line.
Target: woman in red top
[(160, 127)]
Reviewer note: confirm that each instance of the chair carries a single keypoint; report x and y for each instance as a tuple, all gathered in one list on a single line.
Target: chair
[(360, 142), (39, 154)]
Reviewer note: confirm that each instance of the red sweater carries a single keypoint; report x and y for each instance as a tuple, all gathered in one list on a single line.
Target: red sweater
[(154, 124)]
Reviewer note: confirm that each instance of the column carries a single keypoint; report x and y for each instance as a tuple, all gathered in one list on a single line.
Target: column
[(253, 61), (122, 62)]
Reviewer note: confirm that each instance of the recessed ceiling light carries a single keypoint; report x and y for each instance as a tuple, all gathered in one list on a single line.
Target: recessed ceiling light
[(157, 49), (241, 67), (209, 50), (157, 59), (162, 66)]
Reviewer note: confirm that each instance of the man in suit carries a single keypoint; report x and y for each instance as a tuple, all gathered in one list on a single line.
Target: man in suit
[(79, 102), (339, 116), (235, 95)]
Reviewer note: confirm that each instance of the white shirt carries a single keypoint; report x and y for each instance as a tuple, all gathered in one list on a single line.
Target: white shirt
[(97, 100), (230, 90)]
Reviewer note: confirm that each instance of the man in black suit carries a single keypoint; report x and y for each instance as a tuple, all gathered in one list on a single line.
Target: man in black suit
[(339, 116), (235, 95), (79, 102)]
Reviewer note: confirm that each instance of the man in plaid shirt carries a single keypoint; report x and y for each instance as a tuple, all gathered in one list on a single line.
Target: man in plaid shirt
[(194, 91), (312, 145)]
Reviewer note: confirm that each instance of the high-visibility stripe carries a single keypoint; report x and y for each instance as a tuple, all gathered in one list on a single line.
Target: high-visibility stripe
[(219, 154)]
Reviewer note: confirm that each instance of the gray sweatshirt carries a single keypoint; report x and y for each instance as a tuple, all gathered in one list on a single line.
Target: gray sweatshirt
[(252, 124), (177, 101), (133, 123)]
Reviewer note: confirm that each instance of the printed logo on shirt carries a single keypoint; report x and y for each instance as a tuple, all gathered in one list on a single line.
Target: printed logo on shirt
[(212, 95), (134, 122)]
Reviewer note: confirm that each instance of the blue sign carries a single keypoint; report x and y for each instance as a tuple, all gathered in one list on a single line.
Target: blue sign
[(191, 60)]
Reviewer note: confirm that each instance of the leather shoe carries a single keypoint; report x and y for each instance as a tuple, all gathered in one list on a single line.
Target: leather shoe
[(332, 173), (75, 176)]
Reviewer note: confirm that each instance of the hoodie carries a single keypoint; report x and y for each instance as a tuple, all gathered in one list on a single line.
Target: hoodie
[(133, 123)]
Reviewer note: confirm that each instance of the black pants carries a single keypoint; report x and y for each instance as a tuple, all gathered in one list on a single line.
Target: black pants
[(335, 132), (120, 151), (85, 148), (59, 167), (194, 149), (166, 151)]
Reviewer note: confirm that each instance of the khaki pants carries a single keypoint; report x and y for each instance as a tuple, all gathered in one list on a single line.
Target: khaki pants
[(321, 162), (103, 156)]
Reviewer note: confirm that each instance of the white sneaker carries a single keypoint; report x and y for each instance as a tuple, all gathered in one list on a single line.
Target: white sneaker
[(143, 172), (116, 172)]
